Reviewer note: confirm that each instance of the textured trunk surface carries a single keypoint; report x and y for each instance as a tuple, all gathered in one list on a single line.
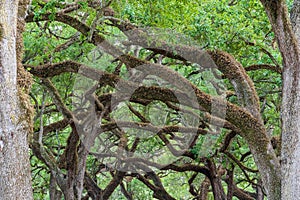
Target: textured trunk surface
[(15, 180), (290, 114), (290, 188)]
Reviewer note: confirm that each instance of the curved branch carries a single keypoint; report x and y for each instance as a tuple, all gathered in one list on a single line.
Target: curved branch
[(239, 163), (264, 66), (243, 85), (231, 68)]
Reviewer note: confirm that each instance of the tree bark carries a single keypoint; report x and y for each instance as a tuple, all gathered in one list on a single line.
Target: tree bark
[(290, 113), (15, 180), (295, 19)]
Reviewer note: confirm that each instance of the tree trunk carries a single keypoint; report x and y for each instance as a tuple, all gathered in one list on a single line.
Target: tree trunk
[(295, 19), (290, 113), (15, 180)]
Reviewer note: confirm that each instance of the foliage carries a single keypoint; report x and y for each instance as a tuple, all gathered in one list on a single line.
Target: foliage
[(240, 28)]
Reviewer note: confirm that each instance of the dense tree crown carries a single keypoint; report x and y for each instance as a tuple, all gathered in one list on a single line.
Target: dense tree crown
[(157, 99)]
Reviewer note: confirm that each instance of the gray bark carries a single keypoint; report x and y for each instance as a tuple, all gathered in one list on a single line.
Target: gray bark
[(290, 153), (295, 19), (290, 113), (290, 110), (15, 180)]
